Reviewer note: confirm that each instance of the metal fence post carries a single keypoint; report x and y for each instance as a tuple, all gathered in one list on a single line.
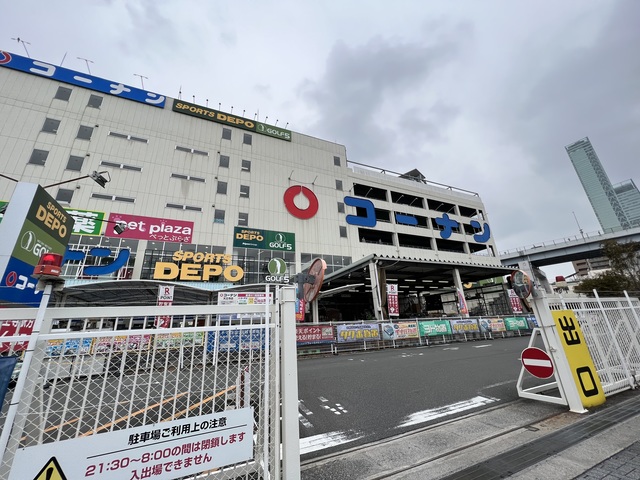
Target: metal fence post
[(289, 378)]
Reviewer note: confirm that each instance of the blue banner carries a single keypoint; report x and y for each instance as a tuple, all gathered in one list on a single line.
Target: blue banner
[(236, 340), (35, 67), (7, 364)]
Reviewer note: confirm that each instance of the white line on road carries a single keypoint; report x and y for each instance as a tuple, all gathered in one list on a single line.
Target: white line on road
[(434, 413), (304, 421), (304, 409), (482, 346), (324, 440)]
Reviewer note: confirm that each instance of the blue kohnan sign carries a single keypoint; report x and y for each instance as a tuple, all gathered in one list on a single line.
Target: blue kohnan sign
[(43, 69)]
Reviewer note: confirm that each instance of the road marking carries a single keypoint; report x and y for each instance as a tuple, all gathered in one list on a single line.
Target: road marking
[(304, 421), (322, 399), (304, 409), (434, 413), (325, 440), (451, 348), (482, 346)]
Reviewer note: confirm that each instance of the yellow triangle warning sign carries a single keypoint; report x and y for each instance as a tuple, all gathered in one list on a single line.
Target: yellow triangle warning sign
[(51, 471)]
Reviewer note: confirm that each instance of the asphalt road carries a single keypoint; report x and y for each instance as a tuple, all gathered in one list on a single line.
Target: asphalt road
[(353, 399)]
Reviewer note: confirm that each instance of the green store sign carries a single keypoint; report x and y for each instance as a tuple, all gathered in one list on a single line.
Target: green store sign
[(264, 239)]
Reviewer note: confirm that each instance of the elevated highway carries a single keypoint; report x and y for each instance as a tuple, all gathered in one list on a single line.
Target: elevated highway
[(588, 245)]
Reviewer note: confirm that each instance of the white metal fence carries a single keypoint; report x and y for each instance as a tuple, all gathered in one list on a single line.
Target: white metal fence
[(88, 378), (611, 328)]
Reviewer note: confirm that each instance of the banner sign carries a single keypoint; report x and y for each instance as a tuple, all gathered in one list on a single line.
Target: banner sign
[(231, 120), (462, 303), (432, 328), (181, 448), (497, 325), (150, 228), (177, 340), (65, 75), (465, 325), (516, 323), (87, 222), (485, 325), (165, 299), (13, 328), (399, 331), (316, 334), (236, 340), (71, 346), (264, 239), (361, 332), (121, 343), (392, 300), (516, 304)]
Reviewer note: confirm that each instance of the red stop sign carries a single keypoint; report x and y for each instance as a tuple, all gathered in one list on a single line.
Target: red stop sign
[(537, 362)]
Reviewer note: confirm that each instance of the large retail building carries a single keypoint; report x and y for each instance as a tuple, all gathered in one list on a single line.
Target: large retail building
[(212, 200)]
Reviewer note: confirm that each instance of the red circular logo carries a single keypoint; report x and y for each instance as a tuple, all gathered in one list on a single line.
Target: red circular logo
[(291, 193), (11, 278)]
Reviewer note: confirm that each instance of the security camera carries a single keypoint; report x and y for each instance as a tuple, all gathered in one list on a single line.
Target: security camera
[(120, 227)]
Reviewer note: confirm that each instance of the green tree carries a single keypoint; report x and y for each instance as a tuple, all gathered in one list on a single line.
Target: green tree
[(624, 273)]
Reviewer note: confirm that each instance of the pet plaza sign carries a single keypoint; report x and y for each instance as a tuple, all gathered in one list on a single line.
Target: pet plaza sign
[(198, 267)]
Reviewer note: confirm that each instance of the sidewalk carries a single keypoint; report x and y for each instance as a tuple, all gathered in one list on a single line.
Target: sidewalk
[(522, 440)]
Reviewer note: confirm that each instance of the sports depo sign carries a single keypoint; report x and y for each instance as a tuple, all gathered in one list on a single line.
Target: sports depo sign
[(33, 224)]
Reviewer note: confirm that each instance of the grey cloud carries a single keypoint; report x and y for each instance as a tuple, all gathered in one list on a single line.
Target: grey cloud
[(352, 98)]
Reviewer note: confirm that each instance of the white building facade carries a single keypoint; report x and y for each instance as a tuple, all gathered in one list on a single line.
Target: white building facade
[(208, 197)]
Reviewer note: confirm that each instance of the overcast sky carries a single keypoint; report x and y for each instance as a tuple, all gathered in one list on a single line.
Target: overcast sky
[(479, 94)]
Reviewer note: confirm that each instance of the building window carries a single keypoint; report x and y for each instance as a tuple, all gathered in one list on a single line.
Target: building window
[(218, 216), (343, 232), (339, 185), (247, 139), (113, 198), (183, 207), (246, 165), (224, 161), (75, 163), (222, 188), (84, 132), (336, 161), (340, 207), (244, 191), (226, 133), (63, 93), (95, 101), (64, 195), (121, 166), (38, 157), (243, 219), (188, 177), (50, 125), (131, 137), (192, 150)]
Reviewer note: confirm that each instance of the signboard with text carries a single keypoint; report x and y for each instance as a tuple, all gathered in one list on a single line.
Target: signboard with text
[(33, 224), (360, 332), (314, 334), (231, 120), (150, 228), (431, 328), (264, 239), (173, 449)]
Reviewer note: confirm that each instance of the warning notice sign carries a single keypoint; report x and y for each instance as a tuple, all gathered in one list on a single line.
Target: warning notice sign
[(51, 471), (166, 450)]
